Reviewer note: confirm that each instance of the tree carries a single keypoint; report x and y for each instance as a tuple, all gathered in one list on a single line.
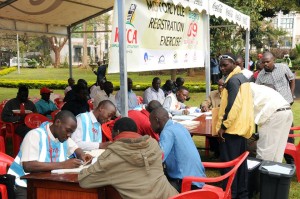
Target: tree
[(56, 45)]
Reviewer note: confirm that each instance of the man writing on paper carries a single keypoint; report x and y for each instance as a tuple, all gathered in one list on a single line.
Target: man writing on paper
[(132, 164), (174, 103), (47, 148), (235, 121), (88, 134)]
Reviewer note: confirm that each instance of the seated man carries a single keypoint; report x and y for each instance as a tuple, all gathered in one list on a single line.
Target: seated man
[(180, 153), (21, 103), (177, 84), (174, 103), (71, 83), (214, 98), (167, 87), (141, 118), (88, 134), (132, 99), (78, 103), (154, 92), (45, 106), (47, 148), (131, 164), (105, 94)]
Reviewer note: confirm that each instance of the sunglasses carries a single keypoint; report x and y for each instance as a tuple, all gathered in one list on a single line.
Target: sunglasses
[(226, 57)]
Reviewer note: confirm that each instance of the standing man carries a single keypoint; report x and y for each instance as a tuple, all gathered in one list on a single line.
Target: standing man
[(88, 134), (174, 103), (45, 106), (154, 92), (214, 98), (273, 117), (71, 83), (20, 103), (132, 99), (47, 148), (279, 77), (131, 164), (181, 156), (236, 121)]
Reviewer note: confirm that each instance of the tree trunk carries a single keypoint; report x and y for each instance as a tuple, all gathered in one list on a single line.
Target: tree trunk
[(191, 72), (85, 56), (173, 74), (56, 45)]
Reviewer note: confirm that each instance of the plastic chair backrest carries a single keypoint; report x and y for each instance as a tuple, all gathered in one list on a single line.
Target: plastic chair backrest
[(34, 120), (54, 113), (90, 103), (7, 160), (196, 194), (2, 144), (187, 181)]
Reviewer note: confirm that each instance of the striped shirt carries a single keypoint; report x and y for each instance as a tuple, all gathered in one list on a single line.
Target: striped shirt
[(278, 80), (36, 147), (88, 134), (151, 94)]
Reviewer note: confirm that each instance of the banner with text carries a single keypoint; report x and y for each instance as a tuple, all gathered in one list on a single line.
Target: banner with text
[(159, 36)]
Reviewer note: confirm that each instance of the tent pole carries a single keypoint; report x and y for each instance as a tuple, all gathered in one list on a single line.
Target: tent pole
[(122, 59), (18, 53), (207, 53), (70, 51), (247, 46)]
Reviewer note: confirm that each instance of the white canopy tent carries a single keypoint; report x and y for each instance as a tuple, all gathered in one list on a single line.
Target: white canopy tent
[(208, 7), (57, 17)]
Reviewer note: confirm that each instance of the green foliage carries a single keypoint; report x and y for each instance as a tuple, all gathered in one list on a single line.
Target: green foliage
[(7, 71), (58, 84)]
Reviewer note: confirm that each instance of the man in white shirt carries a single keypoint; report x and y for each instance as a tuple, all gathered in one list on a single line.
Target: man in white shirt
[(273, 115), (47, 148), (247, 73), (174, 103), (88, 134), (105, 94), (154, 92)]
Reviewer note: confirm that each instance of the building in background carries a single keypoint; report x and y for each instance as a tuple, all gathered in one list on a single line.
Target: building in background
[(290, 23)]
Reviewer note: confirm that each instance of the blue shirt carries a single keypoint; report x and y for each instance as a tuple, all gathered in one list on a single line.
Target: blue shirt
[(180, 153), (44, 107), (132, 100)]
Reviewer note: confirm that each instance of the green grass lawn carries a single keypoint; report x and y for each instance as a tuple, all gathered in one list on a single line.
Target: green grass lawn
[(196, 98)]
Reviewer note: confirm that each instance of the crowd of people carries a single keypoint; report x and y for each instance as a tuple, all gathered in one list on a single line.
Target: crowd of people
[(148, 153)]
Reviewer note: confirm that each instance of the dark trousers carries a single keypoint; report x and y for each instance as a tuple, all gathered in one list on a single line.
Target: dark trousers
[(176, 183), (288, 158), (230, 149), (20, 192)]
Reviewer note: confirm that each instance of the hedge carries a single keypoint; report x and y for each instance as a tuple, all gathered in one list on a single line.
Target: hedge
[(7, 70), (59, 84)]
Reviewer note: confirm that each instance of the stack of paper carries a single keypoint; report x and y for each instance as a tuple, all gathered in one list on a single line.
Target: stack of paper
[(277, 169), (183, 117), (252, 164)]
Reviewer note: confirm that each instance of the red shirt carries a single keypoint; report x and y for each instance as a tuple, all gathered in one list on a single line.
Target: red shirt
[(141, 118)]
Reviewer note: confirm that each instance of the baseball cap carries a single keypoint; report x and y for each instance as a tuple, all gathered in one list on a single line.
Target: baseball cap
[(45, 90)]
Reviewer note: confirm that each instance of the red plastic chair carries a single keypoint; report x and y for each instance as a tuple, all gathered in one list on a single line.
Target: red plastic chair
[(139, 99), (2, 144), (59, 102), (196, 194), (16, 139), (34, 120), (187, 181), (54, 113), (294, 151), (91, 106), (5, 162)]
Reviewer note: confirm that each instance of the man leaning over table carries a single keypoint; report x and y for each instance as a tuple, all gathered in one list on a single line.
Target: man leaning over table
[(174, 102), (132, 164), (20, 103), (88, 134), (181, 156), (47, 148)]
